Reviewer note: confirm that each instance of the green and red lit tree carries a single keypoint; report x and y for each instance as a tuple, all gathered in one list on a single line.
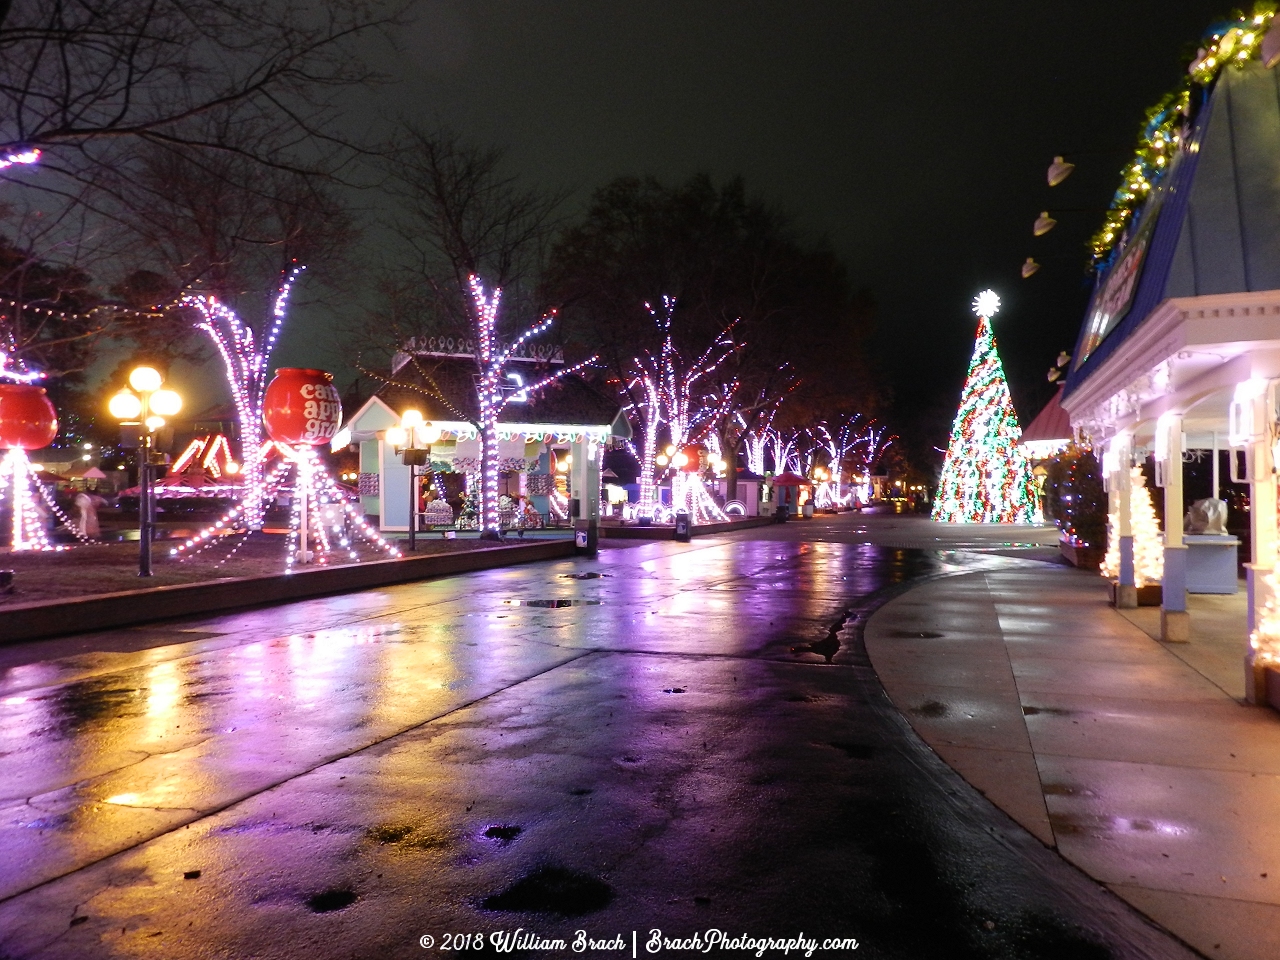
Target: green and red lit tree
[(986, 477)]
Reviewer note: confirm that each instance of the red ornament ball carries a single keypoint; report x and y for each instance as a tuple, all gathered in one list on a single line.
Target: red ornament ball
[(302, 406), (27, 418)]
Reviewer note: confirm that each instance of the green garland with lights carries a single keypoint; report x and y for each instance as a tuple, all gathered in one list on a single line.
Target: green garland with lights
[(1231, 42)]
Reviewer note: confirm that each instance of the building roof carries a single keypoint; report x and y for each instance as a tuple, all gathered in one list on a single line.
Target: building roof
[(1051, 423), (571, 400), (791, 480), (1212, 226)]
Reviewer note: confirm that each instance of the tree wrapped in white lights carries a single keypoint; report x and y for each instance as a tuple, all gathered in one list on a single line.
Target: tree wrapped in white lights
[(781, 445), (674, 395), (756, 441), (247, 364), (1148, 545), (986, 477), (492, 359), (839, 441)]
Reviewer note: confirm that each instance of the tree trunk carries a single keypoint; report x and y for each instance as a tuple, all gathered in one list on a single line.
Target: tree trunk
[(490, 523), (730, 454), (648, 467)]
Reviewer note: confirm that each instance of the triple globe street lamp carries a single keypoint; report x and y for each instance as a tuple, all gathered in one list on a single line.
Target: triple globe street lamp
[(413, 437), (142, 411)]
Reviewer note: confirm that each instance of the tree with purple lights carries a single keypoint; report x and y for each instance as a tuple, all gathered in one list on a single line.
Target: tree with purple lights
[(674, 394), (248, 370), (492, 358)]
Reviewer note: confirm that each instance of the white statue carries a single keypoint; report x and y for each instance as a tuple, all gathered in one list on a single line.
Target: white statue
[(1208, 516)]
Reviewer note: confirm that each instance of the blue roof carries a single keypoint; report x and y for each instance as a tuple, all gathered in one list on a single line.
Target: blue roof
[(1212, 225)]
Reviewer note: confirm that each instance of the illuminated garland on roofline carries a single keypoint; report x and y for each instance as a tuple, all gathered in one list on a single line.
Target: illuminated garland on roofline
[(1228, 42)]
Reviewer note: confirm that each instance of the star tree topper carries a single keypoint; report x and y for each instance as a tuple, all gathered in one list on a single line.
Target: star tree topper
[(986, 304)]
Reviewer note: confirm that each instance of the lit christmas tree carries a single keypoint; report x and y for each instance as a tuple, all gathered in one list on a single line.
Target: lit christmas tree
[(986, 477), (1148, 546)]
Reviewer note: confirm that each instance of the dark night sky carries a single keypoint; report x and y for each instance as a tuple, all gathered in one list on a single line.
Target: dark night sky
[(915, 137)]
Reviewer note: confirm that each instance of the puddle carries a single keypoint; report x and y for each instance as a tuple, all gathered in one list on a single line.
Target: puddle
[(930, 708), (504, 833), (550, 889), (410, 836), (552, 604), (330, 900), (1048, 711), (589, 575), (826, 648)]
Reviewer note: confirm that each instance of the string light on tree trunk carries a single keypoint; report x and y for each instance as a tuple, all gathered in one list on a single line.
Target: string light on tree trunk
[(671, 388), (19, 158), (247, 366), (492, 396)]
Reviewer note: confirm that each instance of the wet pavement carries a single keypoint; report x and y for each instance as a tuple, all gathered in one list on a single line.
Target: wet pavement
[(681, 737)]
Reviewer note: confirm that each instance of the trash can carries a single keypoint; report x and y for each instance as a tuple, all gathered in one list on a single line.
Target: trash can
[(807, 511), (781, 514), (682, 526)]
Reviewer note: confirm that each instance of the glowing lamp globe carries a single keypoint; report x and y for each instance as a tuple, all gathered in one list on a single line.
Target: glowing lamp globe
[(302, 406), (125, 405), (145, 379), (166, 403), (27, 418)]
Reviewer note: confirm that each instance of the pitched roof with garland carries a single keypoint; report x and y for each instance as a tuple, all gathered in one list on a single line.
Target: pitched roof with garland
[(1198, 211), (572, 399)]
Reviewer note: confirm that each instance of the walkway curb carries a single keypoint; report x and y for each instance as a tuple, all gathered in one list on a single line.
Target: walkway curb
[(669, 532), (32, 621)]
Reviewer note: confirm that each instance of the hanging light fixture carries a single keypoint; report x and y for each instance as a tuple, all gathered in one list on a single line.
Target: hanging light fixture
[(1044, 223), (1029, 267), (1059, 170)]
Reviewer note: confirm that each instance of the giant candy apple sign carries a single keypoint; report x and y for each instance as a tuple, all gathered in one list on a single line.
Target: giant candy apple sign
[(302, 406), (27, 418)]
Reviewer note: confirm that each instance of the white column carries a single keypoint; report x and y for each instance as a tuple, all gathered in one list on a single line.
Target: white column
[(584, 487), (1175, 625), (1252, 428), (1216, 484), (1126, 589)]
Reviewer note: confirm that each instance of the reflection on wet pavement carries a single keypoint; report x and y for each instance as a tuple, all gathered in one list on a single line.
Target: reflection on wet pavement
[(533, 742)]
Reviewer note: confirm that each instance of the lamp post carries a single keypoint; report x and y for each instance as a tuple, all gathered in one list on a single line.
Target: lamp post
[(145, 407), (413, 438)]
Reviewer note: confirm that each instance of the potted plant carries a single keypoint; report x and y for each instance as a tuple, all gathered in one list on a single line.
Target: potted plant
[(1076, 502)]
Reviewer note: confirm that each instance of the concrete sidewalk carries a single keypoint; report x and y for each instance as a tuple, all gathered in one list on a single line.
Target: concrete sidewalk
[(1134, 759)]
